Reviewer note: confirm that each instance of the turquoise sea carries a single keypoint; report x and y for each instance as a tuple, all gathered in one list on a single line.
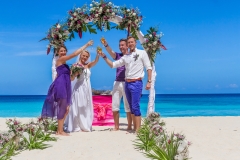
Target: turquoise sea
[(169, 105)]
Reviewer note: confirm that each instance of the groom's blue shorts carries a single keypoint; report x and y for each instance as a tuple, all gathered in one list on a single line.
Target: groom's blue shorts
[(133, 91)]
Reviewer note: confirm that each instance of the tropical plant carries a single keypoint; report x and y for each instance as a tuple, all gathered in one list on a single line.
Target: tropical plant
[(32, 142), (155, 142), (8, 150)]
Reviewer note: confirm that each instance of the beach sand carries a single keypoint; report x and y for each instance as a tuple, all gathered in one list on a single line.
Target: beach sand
[(213, 138)]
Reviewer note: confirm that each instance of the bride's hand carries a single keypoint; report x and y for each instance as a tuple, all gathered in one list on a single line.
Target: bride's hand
[(90, 43)]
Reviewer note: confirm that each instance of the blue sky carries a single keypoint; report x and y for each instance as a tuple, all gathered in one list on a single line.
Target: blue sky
[(202, 37)]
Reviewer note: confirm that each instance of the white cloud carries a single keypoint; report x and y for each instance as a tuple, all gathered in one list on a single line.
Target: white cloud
[(233, 86)]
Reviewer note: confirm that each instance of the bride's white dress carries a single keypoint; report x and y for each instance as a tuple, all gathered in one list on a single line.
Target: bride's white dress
[(80, 115)]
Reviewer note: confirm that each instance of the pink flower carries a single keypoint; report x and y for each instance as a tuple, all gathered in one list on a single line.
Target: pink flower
[(154, 33), (15, 123), (169, 141)]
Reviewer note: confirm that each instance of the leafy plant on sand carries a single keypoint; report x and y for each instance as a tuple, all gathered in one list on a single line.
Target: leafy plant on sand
[(30, 136), (34, 141), (155, 143)]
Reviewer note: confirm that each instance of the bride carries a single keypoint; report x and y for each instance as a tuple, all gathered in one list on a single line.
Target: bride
[(80, 115)]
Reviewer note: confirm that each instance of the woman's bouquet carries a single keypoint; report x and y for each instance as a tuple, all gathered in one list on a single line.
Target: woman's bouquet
[(77, 68)]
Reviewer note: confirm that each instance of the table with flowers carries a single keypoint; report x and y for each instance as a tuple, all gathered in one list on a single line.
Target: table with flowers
[(102, 105)]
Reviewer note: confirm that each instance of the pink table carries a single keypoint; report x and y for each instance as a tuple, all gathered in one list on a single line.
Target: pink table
[(102, 110)]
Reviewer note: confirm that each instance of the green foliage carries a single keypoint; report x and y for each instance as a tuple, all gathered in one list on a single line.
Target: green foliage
[(8, 150), (155, 143), (145, 141), (33, 142)]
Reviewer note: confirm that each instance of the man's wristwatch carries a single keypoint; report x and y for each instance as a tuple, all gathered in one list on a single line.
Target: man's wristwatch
[(106, 45), (149, 81)]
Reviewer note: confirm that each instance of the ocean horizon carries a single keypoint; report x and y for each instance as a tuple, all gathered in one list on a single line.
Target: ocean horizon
[(168, 105)]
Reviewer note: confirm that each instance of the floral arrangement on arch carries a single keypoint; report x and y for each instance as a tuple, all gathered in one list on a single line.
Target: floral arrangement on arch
[(101, 12), (77, 21), (131, 20), (152, 43), (56, 36)]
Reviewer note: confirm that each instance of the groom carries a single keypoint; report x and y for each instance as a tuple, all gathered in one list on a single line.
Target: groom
[(134, 63), (119, 84)]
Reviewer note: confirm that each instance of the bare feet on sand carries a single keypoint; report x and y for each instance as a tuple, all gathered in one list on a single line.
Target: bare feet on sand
[(129, 129), (62, 134), (114, 129)]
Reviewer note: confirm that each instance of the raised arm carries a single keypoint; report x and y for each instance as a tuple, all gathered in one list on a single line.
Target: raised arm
[(93, 63), (109, 49), (110, 63), (115, 64), (63, 59)]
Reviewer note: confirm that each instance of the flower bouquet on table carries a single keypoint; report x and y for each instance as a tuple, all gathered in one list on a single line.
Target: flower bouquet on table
[(131, 20), (152, 43), (56, 36), (77, 68), (78, 21), (101, 12)]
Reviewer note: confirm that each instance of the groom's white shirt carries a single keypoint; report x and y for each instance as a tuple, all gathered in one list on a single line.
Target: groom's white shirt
[(134, 63)]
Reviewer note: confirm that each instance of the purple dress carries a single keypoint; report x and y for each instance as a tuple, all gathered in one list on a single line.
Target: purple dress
[(59, 94)]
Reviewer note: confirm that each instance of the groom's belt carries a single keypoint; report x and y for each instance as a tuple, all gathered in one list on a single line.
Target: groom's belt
[(133, 80)]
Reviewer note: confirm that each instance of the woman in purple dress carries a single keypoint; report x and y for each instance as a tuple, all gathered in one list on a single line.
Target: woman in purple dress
[(59, 94)]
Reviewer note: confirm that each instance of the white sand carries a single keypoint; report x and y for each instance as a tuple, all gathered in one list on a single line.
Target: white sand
[(213, 138)]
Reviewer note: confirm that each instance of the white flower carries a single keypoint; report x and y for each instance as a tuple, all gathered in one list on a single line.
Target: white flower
[(100, 8), (110, 3), (60, 36), (113, 13), (149, 44), (178, 157), (26, 135), (74, 13), (182, 146), (128, 10), (96, 15), (90, 5), (75, 19), (136, 21), (58, 26), (71, 18), (66, 33), (129, 21), (155, 42), (134, 14), (150, 36), (107, 9), (154, 48)]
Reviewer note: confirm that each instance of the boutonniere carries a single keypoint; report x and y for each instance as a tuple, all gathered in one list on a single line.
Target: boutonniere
[(136, 57)]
